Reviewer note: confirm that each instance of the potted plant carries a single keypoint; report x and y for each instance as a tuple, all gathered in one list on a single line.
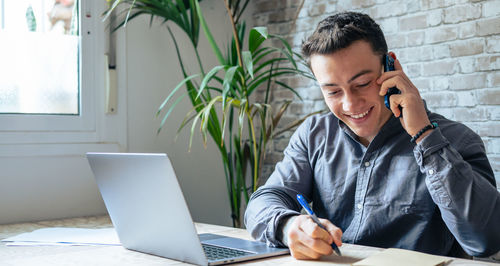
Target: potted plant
[(224, 106)]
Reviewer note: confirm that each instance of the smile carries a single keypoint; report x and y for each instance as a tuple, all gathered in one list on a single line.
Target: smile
[(360, 115)]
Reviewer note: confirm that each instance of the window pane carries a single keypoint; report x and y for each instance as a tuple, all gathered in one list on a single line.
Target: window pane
[(39, 57)]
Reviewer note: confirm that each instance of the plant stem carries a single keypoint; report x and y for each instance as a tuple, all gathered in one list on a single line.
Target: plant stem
[(256, 162), (235, 33)]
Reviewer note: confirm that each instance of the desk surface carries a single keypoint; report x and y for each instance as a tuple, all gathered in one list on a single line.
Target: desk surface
[(116, 255)]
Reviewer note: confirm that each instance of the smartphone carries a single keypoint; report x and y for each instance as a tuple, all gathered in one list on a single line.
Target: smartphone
[(389, 66)]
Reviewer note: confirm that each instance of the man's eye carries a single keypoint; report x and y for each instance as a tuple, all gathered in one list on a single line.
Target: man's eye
[(332, 92), (364, 84)]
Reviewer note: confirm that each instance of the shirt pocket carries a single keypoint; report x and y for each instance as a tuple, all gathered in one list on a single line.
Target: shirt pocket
[(399, 183)]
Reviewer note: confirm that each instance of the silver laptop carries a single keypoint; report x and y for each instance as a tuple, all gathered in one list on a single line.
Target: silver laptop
[(148, 210)]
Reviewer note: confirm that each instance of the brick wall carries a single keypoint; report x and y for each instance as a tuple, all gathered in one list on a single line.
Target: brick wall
[(449, 49)]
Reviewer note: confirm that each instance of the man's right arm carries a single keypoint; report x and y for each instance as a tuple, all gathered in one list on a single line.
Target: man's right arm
[(276, 200), (273, 213)]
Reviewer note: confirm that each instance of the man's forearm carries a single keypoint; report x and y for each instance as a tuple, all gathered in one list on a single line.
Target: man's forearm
[(265, 211)]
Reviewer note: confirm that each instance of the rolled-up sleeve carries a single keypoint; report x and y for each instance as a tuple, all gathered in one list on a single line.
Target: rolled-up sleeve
[(461, 182), (275, 201)]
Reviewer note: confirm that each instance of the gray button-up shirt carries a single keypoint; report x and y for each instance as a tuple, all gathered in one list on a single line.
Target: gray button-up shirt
[(390, 194)]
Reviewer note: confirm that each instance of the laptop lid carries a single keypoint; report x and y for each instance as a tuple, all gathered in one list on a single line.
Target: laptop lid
[(149, 212), (146, 205)]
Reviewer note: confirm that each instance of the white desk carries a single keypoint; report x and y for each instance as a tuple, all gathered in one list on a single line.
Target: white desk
[(116, 255)]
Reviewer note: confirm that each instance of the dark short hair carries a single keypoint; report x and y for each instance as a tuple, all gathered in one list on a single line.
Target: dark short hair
[(341, 30)]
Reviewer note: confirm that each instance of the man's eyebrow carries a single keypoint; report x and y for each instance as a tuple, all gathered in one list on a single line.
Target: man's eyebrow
[(362, 72)]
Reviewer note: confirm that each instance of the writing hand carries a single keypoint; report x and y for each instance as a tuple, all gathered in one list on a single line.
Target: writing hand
[(307, 240)]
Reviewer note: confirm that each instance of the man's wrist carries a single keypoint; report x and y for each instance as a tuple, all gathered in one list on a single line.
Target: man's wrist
[(283, 229)]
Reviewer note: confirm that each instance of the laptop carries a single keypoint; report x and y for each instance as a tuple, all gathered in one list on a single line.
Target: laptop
[(148, 210)]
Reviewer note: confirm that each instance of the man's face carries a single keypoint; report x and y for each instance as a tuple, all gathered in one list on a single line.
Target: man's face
[(348, 82)]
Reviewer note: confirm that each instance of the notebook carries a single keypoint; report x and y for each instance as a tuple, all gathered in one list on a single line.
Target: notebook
[(149, 212)]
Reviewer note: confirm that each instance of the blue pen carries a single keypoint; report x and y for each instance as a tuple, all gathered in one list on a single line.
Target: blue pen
[(304, 204)]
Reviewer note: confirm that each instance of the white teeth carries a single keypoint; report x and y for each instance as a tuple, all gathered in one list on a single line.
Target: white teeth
[(360, 115)]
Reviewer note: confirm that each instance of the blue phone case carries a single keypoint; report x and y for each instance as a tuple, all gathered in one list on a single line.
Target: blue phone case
[(389, 66)]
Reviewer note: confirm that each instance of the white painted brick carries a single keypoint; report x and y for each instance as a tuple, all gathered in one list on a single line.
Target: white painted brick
[(390, 9), (331, 7), (467, 47), (439, 68), (304, 12), (311, 93), (491, 8), (432, 4), (490, 129), (467, 30), (488, 27), (446, 112), (316, 10), (413, 22), (412, 54), (467, 82), (493, 44), (488, 63), (395, 41), (441, 83), (492, 145), (413, 6), (440, 51), (440, 34), (318, 106), (465, 98), (413, 70), (488, 96), (495, 163), (494, 113), (415, 38), (493, 79), (461, 13), (467, 65), (471, 114), (434, 17), (441, 98), (422, 84), (389, 25)]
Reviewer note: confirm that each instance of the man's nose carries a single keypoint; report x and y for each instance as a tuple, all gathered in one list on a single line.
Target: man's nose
[(350, 101)]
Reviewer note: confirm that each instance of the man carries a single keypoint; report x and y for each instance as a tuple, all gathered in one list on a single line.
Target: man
[(378, 177)]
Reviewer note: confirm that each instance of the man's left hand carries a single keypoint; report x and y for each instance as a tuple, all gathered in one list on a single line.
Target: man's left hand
[(414, 116)]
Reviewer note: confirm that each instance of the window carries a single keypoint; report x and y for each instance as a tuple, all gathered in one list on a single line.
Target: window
[(53, 72), (39, 51)]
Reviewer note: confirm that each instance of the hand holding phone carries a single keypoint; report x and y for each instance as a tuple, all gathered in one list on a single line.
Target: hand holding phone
[(389, 66)]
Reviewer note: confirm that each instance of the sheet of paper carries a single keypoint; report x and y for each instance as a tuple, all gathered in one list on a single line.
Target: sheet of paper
[(396, 257), (66, 236)]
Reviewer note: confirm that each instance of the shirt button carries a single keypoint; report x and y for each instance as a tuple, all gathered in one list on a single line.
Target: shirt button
[(360, 206), (367, 164), (431, 172)]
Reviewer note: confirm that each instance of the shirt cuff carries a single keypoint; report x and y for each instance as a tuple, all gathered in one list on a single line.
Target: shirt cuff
[(281, 222), (429, 144)]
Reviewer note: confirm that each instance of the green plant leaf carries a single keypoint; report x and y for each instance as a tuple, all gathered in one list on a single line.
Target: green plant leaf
[(284, 42), (288, 87), (257, 36), (247, 61), (228, 81), (168, 113), (174, 91), (209, 35), (207, 79)]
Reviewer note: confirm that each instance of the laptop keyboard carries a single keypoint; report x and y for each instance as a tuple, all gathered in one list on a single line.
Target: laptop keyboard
[(217, 253)]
